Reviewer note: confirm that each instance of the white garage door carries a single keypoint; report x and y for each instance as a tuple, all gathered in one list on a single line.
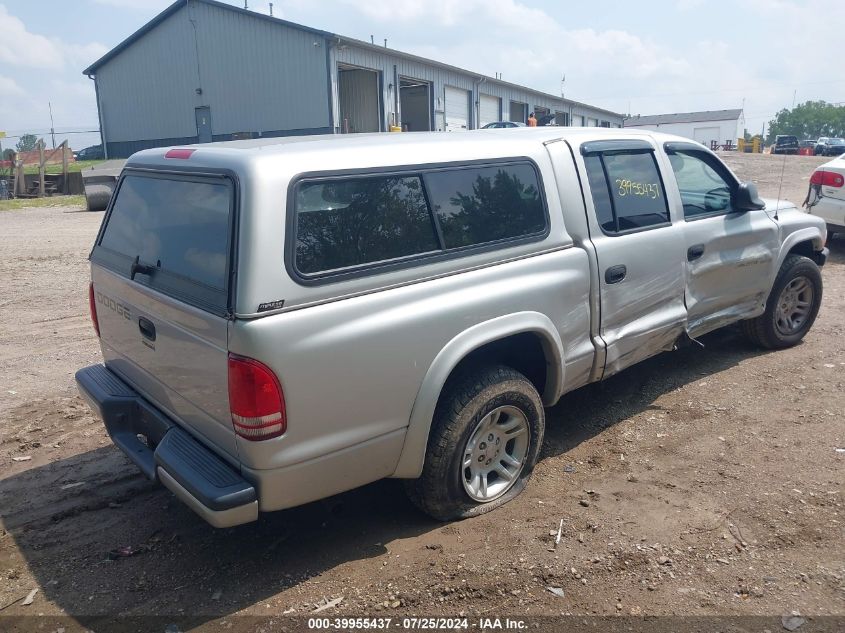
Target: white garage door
[(457, 109), (489, 110), (705, 134)]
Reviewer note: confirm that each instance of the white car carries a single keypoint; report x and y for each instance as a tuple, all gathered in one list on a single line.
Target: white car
[(826, 198)]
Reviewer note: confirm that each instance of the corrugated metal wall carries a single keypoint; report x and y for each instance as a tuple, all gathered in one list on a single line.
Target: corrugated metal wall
[(263, 77), (260, 75), (257, 77), (146, 92), (384, 61)]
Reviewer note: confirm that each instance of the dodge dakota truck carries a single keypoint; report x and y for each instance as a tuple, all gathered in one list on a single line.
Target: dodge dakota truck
[(282, 320)]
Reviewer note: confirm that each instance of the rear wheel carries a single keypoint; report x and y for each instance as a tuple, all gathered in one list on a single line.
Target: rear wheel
[(791, 308), (484, 442)]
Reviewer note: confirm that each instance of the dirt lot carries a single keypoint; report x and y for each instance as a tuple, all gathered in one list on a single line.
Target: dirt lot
[(706, 481)]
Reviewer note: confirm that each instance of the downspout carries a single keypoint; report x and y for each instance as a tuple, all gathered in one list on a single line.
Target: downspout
[(478, 83), (100, 117), (397, 121), (330, 43)]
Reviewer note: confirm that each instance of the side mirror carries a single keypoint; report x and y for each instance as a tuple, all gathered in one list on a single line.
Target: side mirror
[(746, 198)]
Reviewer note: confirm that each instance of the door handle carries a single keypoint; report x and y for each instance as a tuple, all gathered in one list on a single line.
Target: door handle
[(615, 274), (694, 252), (148, 330)]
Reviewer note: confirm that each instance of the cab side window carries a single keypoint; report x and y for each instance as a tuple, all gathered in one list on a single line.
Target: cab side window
[(627, 191), (704, 191)]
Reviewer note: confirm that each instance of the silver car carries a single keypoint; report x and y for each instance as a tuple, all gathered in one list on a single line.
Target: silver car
[(285, 320)]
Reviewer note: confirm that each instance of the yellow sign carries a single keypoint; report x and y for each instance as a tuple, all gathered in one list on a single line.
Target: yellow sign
[(2, 134)]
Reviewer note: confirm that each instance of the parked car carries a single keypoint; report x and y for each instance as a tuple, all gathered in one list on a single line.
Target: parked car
[(785, 144), (806, 147), (503, 124), (830, 146), (413, 303), (826, 197), (95, 152)]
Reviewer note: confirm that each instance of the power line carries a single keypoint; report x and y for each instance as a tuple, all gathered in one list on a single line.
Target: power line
[(48, 133)]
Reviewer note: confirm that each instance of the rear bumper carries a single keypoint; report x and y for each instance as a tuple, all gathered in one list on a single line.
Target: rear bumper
[(831, 210), (203, 481)]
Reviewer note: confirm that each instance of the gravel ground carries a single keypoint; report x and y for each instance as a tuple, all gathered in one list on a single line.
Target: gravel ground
[(704, 482)]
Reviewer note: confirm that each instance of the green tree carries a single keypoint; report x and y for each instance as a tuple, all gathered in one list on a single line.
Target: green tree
[(26, 143), (8, 154), (809, 120)]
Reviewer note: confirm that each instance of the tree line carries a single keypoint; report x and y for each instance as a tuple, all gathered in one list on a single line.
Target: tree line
[(809, 120)]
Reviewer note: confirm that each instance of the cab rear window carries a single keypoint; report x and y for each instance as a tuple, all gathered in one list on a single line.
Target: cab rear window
[(171, 233)]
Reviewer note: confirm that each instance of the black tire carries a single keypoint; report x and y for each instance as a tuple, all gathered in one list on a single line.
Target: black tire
[(97, 197), (466, 400), (764, 330)]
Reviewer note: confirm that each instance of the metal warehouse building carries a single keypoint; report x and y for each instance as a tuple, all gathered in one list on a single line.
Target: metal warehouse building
[(711, 126), (206, 71)]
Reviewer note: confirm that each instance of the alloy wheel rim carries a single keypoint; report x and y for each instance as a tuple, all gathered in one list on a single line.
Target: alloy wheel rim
[(794, 305), (495, 453)]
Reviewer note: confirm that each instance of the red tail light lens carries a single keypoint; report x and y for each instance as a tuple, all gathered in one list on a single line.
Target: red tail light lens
[(255, 400), (92, 306), (827, 178)]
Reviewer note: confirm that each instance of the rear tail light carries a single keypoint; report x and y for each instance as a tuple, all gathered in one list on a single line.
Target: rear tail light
[(255, 400), (92, 306), (827, 178)]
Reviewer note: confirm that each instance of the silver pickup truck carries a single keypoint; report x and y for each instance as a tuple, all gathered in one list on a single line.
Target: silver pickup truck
[(284, 320)]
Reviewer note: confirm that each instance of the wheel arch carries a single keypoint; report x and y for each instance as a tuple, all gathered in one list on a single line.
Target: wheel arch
[(806, 241), (469, 343)]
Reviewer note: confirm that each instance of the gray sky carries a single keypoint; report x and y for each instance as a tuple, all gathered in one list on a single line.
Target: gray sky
[(647, 57)]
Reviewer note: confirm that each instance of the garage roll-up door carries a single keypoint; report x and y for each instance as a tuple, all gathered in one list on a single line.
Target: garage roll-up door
[(457, 109), (488, 110)]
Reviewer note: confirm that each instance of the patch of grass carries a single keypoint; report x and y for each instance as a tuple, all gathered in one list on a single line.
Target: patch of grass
[(57, 169), (52, 201)]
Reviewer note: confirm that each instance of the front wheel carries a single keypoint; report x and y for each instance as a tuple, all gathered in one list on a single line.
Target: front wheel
[(791, 308), (484, 443)]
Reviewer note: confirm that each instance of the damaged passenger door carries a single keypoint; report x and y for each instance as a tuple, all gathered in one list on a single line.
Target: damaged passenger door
[(730, 253), (639, 250)]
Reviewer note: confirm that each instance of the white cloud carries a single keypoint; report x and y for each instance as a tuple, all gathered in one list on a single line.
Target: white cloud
[(541, 52), (9, 87), (19, 47), (688, 5), (144, 5), (506, 13), (38, 69), (79, 56)]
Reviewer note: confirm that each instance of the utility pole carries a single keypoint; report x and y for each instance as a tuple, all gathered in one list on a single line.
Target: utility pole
[(52, 131)]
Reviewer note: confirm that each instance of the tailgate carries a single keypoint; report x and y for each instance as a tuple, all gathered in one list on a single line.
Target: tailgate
[(160, 273)]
